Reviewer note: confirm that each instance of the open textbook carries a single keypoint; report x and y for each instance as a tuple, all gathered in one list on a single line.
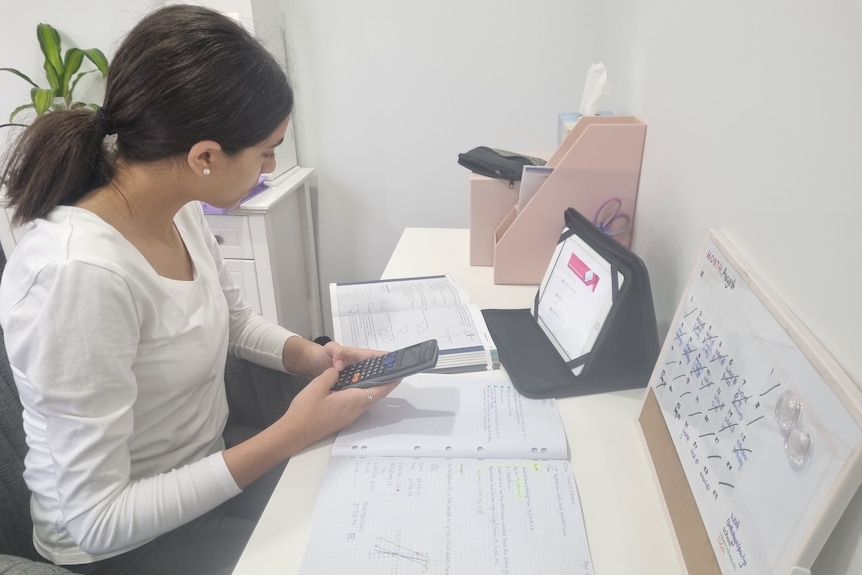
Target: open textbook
[(452, 474), (391, 314)]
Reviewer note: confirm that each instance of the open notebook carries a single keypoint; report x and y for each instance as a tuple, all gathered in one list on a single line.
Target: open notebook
[(455, 474)]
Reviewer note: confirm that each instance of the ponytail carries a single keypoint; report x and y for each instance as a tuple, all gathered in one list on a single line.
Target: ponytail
[(182, 75), (55, 161)]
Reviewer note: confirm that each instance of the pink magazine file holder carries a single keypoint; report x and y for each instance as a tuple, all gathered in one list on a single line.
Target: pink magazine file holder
[(600, 159), (490, 201)]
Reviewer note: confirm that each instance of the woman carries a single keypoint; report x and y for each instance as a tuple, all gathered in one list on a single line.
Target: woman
[(119, 313)]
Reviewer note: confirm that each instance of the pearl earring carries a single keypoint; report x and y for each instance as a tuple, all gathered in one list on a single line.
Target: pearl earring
[(206, 171)]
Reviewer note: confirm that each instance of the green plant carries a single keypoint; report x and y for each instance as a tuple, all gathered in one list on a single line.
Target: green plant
[(62, 72)]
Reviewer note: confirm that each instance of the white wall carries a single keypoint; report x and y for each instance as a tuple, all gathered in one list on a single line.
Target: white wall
[(100, 25), (754, 122), (388, 94), (753, 114)]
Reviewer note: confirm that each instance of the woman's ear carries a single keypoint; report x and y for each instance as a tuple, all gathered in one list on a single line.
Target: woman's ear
[(202, 157)]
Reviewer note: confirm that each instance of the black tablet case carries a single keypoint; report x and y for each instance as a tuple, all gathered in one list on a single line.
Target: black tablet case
[(624, 352)]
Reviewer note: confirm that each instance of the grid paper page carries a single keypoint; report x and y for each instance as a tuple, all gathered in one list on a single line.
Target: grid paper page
[(464, 415), (404, 516)]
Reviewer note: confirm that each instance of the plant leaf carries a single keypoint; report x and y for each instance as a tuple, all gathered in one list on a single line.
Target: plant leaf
[(98, 59), (71, 64), (42, 99), (53, 77), (76, 80), (19, 109), (21, 75), (49, 41)]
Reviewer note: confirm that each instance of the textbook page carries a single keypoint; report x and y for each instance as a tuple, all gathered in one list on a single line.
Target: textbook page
[(391, 314), (464, 415), (404, 516), (396, 294)]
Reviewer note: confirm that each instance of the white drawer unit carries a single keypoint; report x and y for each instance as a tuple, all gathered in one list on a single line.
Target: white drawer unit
[(244, 274), (268, 246), (233, 235)]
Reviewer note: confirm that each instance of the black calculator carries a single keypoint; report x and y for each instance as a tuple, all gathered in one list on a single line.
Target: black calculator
[(385, 368)]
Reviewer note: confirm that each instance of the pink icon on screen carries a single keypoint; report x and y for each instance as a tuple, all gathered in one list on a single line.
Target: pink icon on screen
[(583, 271)]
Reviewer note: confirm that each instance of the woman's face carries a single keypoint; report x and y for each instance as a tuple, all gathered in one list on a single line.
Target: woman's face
[(243, 170)]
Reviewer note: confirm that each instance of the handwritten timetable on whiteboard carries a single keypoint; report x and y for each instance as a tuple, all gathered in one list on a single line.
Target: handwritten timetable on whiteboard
[(763, 438)]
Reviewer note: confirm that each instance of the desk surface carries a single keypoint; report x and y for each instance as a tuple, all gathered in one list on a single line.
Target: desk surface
[(627, 525)]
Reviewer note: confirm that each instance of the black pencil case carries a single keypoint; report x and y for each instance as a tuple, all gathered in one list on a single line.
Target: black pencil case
[(495, 163)]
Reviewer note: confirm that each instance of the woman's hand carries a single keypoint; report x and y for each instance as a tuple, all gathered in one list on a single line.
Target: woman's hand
[(317, 412), (343, 356), (303, 356)]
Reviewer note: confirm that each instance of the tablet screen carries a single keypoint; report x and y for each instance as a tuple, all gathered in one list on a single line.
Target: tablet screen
[(575, 297)]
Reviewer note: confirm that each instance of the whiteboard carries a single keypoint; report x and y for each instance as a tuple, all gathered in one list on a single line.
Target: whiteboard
[(765, 423)]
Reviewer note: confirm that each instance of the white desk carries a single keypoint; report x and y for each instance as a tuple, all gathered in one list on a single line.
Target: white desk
[(627, 525)]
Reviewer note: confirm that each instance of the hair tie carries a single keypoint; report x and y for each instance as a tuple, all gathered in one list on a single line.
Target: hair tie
[(104, 123)]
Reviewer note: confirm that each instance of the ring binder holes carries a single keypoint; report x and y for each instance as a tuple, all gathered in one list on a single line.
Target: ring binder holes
[(354, 448), (535, 450), (363, 448), (480, 449), (416, 448), (448, 448), (544, 450)]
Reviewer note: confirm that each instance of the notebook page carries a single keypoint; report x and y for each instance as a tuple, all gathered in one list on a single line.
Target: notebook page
[(457, 415), (455, 516)]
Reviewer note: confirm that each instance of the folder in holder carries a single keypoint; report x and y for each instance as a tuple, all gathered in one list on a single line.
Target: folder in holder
[(598, 163), (592, 327), (490, 201)]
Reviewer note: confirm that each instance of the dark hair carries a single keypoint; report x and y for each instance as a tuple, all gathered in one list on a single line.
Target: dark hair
[(183, 74)]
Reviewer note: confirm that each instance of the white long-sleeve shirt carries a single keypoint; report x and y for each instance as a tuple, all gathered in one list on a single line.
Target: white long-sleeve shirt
[(121, 375)]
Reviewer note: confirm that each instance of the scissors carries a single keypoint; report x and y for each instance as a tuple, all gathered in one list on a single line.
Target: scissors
[(609, 219)]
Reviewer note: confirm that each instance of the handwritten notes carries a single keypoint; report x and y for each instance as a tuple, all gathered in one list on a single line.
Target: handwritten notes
[(451, 474), (457, 415), (455, 516), (761, 435)]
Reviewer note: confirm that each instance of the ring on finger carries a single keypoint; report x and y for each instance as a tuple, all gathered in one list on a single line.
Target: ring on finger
[(369, 396)]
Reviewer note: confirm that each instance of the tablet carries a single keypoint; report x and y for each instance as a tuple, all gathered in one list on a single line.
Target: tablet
[(574, 299)]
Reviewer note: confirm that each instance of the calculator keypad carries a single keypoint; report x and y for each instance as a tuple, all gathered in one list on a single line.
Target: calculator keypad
[(371, 367)]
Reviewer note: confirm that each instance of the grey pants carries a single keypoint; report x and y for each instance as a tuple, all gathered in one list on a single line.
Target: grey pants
[(212, 543)]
